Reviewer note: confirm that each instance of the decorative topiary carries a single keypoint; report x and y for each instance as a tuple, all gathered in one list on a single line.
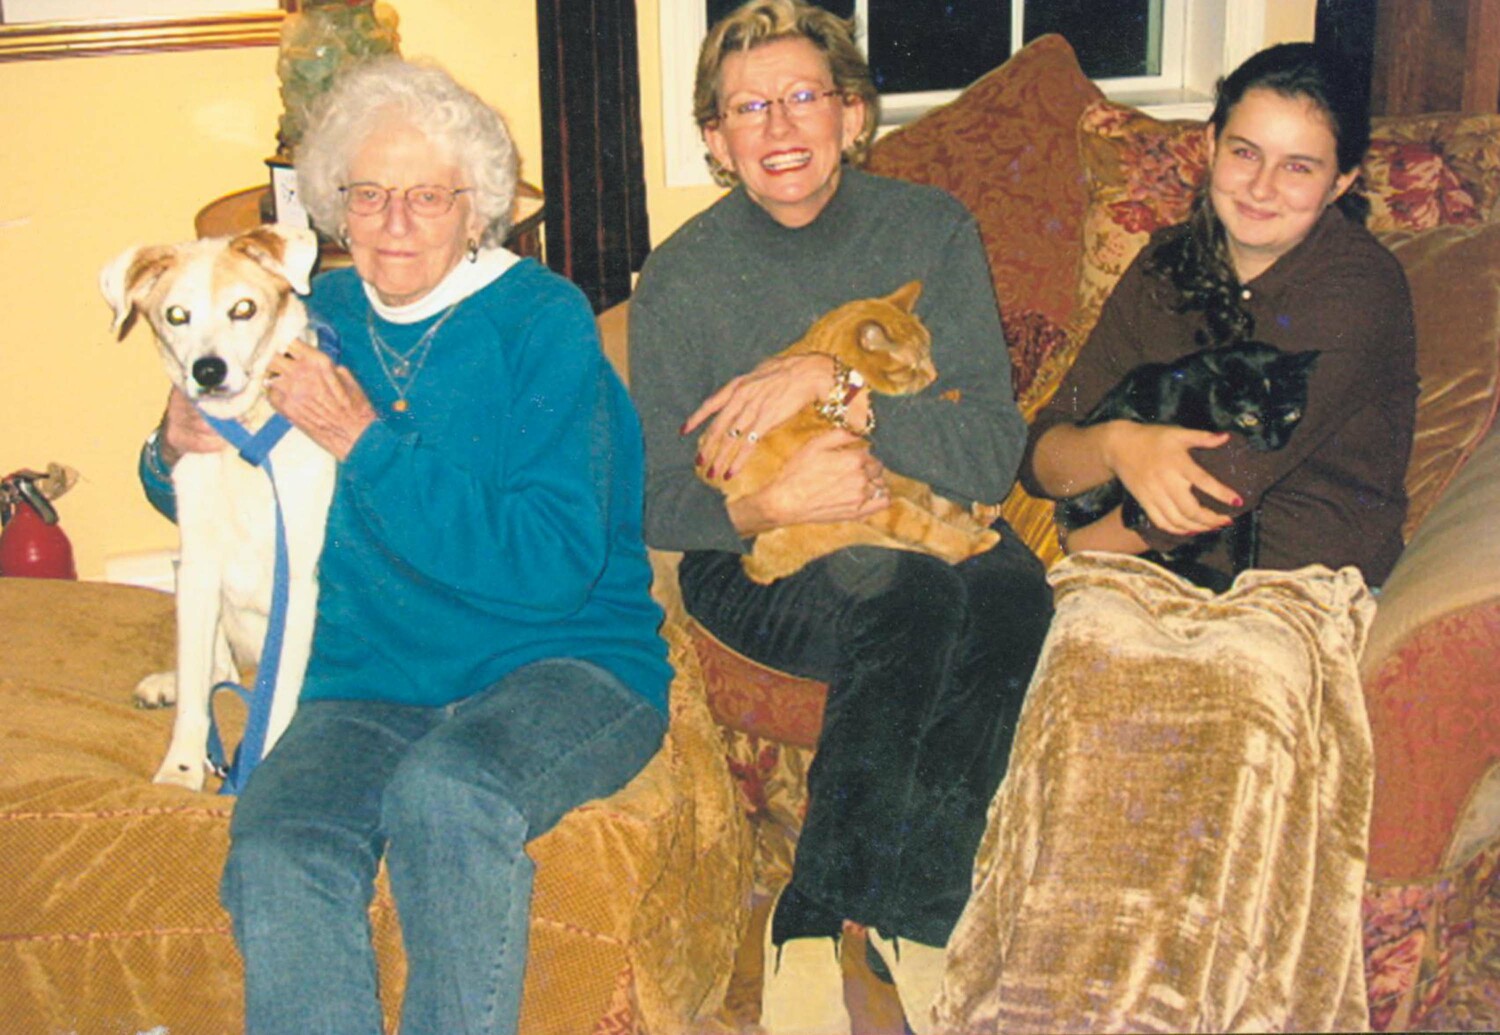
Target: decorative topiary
[(317, 43)]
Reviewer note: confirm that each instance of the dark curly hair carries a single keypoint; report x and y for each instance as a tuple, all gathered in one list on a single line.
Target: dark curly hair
[(1194, 260)]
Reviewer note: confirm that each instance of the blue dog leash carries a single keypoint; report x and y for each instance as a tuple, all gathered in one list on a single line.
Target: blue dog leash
[(256, 450)]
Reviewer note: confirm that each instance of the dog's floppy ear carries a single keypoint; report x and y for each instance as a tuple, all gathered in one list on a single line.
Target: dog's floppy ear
[(287, 251), (129, 277)]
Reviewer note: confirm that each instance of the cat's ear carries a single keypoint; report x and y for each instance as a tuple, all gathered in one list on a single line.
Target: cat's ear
[(905, 297), (872, 336), (1304, 362)]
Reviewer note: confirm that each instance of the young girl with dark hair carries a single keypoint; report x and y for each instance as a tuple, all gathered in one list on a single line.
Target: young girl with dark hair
[(1275, 249)]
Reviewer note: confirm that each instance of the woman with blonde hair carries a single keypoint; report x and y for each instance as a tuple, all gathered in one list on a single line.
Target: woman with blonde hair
[(927, 663)]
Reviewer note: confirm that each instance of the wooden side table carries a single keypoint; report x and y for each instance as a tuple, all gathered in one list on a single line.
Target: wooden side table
[(243, 209)]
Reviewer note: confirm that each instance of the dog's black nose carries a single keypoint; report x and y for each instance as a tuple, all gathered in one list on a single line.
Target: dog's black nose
[(209, 371)]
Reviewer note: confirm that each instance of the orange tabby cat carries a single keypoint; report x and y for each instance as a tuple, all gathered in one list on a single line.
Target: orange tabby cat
[(883, 340)]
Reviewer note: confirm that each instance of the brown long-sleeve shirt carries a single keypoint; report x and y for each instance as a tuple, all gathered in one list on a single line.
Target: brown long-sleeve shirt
[(1335, 494)]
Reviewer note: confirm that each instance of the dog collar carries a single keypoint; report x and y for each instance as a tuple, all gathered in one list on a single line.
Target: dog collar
[(254, 448)]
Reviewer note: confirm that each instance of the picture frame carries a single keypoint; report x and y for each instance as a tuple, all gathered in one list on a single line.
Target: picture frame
[(27, 32)]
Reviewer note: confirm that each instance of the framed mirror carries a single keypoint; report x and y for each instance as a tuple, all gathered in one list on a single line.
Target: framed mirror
[(32, 29)]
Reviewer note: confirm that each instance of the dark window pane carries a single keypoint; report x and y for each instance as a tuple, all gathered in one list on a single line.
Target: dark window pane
[(936, 44), (1113, 38), (719, 8)]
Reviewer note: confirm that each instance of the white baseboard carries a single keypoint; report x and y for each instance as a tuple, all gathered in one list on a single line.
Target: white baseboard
[(154, 569)]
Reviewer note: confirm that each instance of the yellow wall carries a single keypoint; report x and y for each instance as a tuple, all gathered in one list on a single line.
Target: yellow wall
[(1290, 21), (101, 153), (104, 152), (667, 207)]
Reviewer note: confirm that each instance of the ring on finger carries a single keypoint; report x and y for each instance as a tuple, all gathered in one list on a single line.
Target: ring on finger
[(753, 437), (735, 433)]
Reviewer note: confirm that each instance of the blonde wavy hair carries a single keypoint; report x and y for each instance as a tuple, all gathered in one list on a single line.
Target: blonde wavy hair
[(759, 22)]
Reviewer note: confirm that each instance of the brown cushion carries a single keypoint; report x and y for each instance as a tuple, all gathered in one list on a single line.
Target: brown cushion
[(1454, 273), (1006, 148)]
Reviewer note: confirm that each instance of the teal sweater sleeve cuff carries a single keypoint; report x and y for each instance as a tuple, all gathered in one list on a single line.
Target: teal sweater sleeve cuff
[(156, 479), (372, 451)]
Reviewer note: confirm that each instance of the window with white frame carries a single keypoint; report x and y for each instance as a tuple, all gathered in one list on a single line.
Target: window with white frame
[(1161, 54)]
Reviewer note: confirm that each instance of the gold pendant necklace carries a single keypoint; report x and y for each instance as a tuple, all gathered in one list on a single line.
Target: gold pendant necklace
[(401, 368)]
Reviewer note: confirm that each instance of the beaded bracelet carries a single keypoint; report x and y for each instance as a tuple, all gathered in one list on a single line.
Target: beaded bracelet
[(847, 383)]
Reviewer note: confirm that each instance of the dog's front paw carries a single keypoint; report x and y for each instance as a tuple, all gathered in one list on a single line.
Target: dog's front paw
[(182, 772), (158, 690)]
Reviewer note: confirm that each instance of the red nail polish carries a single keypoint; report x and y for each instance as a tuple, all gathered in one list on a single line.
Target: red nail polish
[(698, 460), (710, 473), (682, 429), (1238, 502)]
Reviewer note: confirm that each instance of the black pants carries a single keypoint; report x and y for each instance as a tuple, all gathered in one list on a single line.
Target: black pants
[(927, 664)]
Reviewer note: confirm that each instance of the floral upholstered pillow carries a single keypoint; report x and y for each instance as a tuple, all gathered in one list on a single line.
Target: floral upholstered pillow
[(1424, 171), (1142, 173)]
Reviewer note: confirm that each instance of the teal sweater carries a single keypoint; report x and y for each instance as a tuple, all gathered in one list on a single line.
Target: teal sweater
[(497, 521)]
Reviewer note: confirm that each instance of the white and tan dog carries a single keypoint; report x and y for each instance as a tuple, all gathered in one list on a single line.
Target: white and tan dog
[(222, 308)]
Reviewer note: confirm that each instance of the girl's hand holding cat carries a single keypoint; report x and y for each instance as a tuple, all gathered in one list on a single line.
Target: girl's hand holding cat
[(752, 404), (834, 477), (1154, 462)]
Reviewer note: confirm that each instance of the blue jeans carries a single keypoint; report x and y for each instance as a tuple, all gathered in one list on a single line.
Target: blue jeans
[(449, 796)]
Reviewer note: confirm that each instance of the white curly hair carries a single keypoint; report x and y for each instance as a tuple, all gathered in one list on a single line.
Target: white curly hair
[(375, 93)]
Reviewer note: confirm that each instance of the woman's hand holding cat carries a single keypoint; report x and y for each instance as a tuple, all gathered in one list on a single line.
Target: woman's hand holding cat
[(834, 477), (752, 404), (1154, 462)]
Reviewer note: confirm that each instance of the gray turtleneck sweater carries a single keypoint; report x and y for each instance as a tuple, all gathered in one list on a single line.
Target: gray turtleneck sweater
[(733, 286)]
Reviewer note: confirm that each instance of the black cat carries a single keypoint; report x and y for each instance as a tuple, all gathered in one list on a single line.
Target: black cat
[(1250, 387)]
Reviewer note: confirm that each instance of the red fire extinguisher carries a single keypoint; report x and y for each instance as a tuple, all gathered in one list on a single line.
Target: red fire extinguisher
[(31, 543)]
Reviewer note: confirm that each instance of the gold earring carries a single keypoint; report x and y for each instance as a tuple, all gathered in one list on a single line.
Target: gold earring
[(344, 238)]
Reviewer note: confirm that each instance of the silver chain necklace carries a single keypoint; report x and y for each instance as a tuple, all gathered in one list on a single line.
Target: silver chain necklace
[(401, 368)]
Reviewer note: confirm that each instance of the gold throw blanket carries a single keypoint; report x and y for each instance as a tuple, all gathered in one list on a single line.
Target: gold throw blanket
[(1180, 842)]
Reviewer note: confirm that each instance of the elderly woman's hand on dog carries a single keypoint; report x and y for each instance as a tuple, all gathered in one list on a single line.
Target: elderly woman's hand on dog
[(319, 397), (183, 430)]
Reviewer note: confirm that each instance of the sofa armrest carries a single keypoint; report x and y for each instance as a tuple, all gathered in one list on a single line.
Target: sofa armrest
[(1431, 673), (1451, 564)]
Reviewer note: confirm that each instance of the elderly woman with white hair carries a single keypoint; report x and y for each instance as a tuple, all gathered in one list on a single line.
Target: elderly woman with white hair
[(486, 654)]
